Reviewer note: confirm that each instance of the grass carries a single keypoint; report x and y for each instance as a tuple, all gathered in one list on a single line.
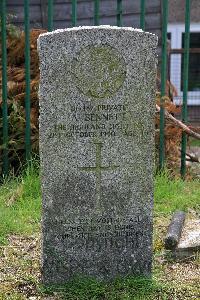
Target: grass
[(20, 214), (120, 289), (20, 203), (175, 194)]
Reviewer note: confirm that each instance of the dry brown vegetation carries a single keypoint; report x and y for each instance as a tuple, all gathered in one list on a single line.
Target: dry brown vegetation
[(16, 96)]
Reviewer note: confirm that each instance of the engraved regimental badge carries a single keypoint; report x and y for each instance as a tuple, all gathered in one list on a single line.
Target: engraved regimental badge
[(99, 72)]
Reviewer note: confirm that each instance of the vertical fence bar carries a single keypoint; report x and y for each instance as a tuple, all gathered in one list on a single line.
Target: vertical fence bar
[(4, 88), (50, 15), (119, 12), (74, 12), (27, 79), (96, 12), (163, 82), (185, 85), (142, 14)]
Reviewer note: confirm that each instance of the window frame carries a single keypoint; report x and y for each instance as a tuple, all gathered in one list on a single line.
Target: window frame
[(176, 31)]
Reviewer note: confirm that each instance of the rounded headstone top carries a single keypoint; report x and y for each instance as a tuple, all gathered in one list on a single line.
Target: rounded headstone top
[(94, 28)]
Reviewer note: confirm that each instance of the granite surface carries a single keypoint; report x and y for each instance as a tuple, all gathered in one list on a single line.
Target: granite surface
[(97, 103)]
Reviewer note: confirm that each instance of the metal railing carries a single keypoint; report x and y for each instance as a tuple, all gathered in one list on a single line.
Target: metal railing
[(96, 21)]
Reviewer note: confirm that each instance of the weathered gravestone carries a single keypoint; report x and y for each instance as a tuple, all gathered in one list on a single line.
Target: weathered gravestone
[(97, 102)]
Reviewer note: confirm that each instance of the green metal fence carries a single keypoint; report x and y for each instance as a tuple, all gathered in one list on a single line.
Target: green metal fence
[(185, 85), (96, 21)]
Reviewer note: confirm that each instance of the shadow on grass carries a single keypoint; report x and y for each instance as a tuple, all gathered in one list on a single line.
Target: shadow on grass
[(137, 288)]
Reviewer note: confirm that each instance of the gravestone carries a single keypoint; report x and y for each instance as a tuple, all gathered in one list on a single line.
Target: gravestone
[(97, 103)]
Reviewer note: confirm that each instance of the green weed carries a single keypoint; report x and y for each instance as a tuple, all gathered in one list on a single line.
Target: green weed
[(136, 288), (20, 203), (175, 194)]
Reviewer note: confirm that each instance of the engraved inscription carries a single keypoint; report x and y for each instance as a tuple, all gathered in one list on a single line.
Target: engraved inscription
[(99, 121), (103, 232)]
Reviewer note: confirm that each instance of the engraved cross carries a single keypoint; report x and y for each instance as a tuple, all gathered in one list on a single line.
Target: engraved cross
[(98, 168)]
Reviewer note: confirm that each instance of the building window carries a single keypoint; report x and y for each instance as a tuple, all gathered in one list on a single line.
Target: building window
[(176, 37), (194, 63)]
